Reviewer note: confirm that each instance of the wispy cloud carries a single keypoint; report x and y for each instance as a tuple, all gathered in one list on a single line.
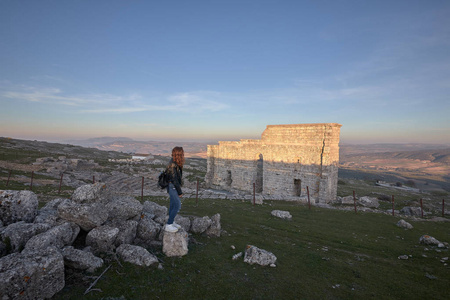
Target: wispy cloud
[(189, 102)]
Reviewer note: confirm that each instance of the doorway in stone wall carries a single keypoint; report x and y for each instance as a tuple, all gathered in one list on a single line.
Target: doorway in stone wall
[(259, 174), (297, 187)]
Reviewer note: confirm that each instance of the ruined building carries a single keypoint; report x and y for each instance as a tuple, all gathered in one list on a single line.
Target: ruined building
[(284, 162)]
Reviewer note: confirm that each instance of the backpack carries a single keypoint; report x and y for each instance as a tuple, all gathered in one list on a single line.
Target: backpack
[(163, 179)]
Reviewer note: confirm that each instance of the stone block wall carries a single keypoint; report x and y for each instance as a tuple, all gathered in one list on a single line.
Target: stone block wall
[(286, 160)]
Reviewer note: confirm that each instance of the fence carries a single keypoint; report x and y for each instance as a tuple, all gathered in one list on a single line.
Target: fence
[(254, 193)]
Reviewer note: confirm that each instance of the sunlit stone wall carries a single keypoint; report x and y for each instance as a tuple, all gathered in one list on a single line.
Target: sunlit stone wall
[(284, 162)]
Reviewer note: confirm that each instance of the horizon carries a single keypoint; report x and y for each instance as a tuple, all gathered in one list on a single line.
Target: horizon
[(223, 71)]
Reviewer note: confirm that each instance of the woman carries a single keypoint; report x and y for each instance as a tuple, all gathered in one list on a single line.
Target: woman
[(175, 171)]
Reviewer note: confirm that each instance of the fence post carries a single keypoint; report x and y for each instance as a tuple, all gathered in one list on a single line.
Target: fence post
[(421, 207), (254, 189), (309, 201), (196, 195), (442, 207), (393, 212), (9, 176), (354, 200), (60, 182), (31, 185), (142, 190)]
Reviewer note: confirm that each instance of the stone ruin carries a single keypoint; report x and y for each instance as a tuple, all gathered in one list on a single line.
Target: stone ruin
[(285, 161), (81, 233)]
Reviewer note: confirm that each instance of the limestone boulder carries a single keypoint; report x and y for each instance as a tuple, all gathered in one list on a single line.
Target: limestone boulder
[(184, 222), (429, 240), (215, 228), (49, 213), (59, 236), (346, 200), (200, 225), (81, 260), (3, 249), (89, 193), (175, 243), (136, 255), (282, 214), (102, 239), (255, 255), (127, 232), (86, 216), (147, 231), (371, 202), (16, 235), (157, 210), (16, 206), (411, 211), (32, 275), (123, 208), (404, 224)]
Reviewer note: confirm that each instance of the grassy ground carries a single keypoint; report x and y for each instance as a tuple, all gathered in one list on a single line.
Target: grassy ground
[(322, 254)]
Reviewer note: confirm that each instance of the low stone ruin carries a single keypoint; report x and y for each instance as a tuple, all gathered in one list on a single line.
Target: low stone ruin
[(37, 244)]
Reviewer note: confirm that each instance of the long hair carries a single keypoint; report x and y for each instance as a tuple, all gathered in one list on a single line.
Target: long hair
[(178, 156)]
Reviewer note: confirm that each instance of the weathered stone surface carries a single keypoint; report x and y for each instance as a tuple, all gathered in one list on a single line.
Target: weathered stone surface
[(255, 255), (347, 200), (215, 228), (102, 238), (127, 232), (17, 235), (123, 208), (428, 240), (369, 202), (17, 206), (200, 225), (175, 243), (184, 222), (58, 236), (32, 275), (88, 193), (136, 255), (49, 213), (81, 260), (155, 209), (404, 224), (281, 214), (147, 231), (85, 216), (411, 211)]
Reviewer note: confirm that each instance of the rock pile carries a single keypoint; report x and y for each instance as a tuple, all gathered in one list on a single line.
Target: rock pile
[(36, 245)]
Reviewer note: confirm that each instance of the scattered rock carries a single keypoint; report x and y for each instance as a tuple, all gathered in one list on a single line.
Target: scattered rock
[(184, 222), (175, 243), (430, 276), (281, 214), (59, 236), (254, 255), (32, 275), (347, 200), (136, 255), (369, 202), (147, 230), (16, 235), (86, 194), (214, 229), (16, 206), (237, 255), (123, 208), (200, 225), (411, 211), (81, 260), (404, 224), (85, 216), (428, 240), (404, 257), (153, 208), (102, 238), (127, 231)]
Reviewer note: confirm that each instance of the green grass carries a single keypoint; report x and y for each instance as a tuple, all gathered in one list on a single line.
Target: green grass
[(362, 258)]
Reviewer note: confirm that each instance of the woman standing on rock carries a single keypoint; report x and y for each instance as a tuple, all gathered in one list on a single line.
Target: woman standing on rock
[(175, 171)]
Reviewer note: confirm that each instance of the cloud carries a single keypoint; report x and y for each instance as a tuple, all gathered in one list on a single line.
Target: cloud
[(188, 102)]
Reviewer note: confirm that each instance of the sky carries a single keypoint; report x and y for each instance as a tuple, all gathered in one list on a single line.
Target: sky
[(223, 70)]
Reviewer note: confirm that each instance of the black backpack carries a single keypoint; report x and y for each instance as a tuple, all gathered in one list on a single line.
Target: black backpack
[(163, 179)]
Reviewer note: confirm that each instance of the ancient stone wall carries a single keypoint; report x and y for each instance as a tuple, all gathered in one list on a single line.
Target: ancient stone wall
[(286, 160)]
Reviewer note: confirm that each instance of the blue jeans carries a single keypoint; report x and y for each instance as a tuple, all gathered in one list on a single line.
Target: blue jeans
[(175, 203)]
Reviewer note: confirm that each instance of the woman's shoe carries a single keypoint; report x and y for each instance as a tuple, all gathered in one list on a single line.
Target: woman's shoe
[(170, 228), (176, 225)]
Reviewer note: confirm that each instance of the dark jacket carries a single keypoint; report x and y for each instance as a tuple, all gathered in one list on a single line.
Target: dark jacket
[(175, 175)]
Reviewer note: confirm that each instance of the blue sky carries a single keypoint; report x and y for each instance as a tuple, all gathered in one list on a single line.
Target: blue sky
[(223, 70)]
